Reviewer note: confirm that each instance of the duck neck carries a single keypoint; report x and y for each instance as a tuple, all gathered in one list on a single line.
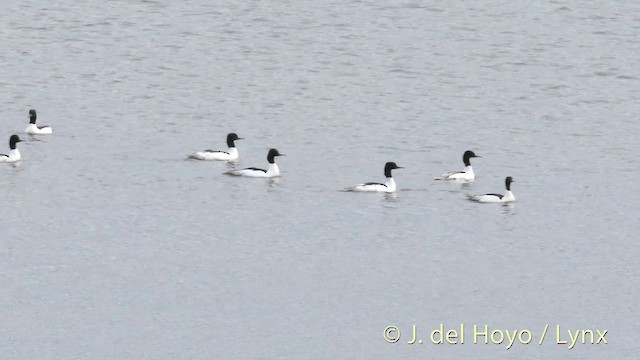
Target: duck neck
[(390, 184), (273, 169), (508, 196), (14, 154), (468, 169)]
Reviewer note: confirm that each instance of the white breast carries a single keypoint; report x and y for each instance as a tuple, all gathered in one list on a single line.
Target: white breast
[(14, 155), (508, 197)]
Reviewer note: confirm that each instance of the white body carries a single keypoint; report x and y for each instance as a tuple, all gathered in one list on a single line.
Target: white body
[(272, 171), (230, 155), (489, 198), (33, 129), (388, 186), (14, 155), (466, 175)]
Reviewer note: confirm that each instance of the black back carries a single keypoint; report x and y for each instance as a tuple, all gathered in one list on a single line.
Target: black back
[(500, 196), (375, 183), (32, 116), (467, 156)]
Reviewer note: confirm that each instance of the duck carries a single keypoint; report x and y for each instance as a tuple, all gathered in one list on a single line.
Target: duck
[(497, 198), (389, 186), (466, 174), (230, 155), (34, 129), (271, 171), (14, 153)]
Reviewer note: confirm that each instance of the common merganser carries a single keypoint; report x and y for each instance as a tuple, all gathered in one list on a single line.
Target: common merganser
[(497, 198), (388, 186), (466, 174), (34, 129), (272, 171), (14, 154), (230, 155)]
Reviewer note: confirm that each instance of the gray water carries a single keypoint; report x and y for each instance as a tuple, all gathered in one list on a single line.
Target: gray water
[(113, 246)]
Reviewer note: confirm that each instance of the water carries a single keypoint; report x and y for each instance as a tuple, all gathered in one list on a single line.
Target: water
[(115, 246)]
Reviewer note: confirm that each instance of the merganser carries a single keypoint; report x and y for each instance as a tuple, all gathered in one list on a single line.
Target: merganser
[(272, 171), (497, 198), (230, 155), (466, 174), (14, 154), (34, 129), (388, 186)]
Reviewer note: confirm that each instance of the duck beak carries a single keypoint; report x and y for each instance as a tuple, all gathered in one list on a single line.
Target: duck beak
[(240, 139)]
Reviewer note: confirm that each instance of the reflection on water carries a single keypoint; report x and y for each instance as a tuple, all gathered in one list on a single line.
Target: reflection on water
[(468, 185), (390, 196), (509, 208), (273, 183)]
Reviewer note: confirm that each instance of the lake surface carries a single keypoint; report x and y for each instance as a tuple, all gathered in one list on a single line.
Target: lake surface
[(114, 246)]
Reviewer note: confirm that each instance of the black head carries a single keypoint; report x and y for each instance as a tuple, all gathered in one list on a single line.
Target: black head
[(390, 166), (13, 140), (467, 156), (231, 137), (271, 156), (507, 182), (32, 116)]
